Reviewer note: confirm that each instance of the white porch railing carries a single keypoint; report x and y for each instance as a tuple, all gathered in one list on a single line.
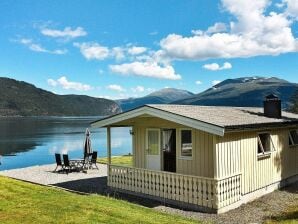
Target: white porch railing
[(196, 190)]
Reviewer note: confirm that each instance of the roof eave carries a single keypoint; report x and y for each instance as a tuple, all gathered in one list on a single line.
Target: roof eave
[(200, 125), (261, 126)]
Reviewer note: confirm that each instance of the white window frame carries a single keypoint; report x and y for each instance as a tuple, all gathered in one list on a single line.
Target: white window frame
[(291, 139), (259, 142), (180, 144)]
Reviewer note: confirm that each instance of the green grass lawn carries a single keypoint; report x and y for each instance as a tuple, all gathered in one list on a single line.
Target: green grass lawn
[(22, 202), (118, 160), (290, 216)]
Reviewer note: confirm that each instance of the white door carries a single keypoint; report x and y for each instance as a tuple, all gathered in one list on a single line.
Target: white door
[(153, 149)]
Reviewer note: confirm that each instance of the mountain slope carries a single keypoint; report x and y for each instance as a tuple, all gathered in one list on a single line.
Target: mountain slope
[(24, 99), (162, 96), (294, 102), (247, 91)]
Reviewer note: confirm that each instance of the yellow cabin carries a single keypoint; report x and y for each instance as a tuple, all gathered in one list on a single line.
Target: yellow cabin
[(206, 158)]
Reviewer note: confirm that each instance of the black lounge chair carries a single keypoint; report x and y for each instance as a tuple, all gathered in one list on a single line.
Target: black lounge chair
[(58, 162), (67, 165), (93, 160)]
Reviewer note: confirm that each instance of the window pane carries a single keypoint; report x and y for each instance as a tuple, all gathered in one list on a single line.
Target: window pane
[(290, 140), (260, 150), (265, 141), (186, 143), (153, 146), (294, 135)]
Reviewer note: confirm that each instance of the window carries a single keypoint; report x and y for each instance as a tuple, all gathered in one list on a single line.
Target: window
[(293, 137), (264, 143), (186, 143)]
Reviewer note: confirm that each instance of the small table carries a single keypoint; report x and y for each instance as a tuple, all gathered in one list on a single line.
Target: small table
[(76, 160), (78, 163)]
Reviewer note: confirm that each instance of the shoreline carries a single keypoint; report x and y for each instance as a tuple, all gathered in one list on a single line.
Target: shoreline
[(102, 158)]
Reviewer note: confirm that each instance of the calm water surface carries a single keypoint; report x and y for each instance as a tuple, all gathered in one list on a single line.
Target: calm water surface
[(34, 140)]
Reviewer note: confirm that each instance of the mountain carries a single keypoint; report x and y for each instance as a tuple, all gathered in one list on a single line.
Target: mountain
[(23, 99), (247, 91), (162, 96), (294, 103)]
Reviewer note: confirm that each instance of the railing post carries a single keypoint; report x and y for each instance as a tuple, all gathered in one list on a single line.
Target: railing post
[(216, 195)]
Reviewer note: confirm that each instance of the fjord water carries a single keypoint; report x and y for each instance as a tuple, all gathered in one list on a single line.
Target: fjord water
[(29, 141)]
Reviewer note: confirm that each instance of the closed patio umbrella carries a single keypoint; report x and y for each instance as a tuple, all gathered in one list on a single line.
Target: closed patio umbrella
[(87, 144)]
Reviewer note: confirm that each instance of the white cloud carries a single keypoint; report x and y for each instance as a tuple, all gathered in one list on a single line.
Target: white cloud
[(116, 87), (25, 41), (198, 82), (217, 28), (197, 32), (52, 82), (59, 51), (279, 4), (68, 85), (104, 96), (146, 69), (150, 89), (93, 50), (292, 8), (108, 97), (138, 89), (115, 97), (136, 50), (252, 33), (118, 53), (215, 82), (38, 48), (67, 33), (217, 67)]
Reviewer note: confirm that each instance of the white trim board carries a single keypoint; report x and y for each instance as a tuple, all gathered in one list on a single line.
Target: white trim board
[(189, 122)]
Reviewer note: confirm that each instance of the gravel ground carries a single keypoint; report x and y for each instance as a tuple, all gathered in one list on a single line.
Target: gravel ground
[(96, 182), (256, 211), (44, 174)]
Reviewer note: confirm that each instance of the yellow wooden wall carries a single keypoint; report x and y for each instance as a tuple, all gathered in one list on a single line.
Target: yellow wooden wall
[(228, 161), (201, 164), (202, 161), (237, 153)]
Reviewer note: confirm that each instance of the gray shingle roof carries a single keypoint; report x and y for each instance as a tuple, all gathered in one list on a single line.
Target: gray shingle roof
[(228, 117)]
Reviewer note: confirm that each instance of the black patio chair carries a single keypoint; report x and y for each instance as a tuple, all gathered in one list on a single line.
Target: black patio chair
[(67, 165), (58, 161), (93, 160)]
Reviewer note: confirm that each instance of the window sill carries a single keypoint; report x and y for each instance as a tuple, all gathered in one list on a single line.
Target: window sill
[(185, 157), (264, 155)]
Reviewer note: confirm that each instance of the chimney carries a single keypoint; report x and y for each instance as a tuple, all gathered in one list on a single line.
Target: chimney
[(272, 106)]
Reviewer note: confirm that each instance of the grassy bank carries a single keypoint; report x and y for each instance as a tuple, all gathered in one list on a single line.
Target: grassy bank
[(118, 160), (22, 202)]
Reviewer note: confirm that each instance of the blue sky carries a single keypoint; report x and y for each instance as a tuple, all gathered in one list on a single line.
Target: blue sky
[(119, 49)]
